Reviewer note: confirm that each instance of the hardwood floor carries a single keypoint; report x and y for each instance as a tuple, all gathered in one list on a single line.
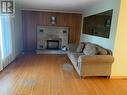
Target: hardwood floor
[(33, 74)]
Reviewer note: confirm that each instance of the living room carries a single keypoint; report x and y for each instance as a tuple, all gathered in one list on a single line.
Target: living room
[(46, 48)]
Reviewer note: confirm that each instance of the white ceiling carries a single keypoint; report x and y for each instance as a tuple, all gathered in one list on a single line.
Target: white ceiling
[(57, 5)]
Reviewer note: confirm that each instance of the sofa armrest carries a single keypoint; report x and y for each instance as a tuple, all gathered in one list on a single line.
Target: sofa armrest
[(72, 47), (96, 59)]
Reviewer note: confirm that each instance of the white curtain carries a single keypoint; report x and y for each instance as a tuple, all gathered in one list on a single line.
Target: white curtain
[(6, 41)]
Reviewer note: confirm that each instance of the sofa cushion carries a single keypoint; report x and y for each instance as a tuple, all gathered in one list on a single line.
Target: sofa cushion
[(80, 48), (90, 49)]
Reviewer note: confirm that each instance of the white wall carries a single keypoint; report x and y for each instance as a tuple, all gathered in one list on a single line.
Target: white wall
[(18, 31), (17, 37), (98, 8)]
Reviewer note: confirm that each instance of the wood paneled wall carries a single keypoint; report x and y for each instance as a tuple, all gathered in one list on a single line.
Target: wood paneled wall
[(30, 20)]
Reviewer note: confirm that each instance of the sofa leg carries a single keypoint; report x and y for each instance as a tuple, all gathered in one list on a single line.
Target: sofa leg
[(108, 77), (81, 77)]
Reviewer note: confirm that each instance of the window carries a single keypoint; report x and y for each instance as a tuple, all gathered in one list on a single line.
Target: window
[(5, 36)]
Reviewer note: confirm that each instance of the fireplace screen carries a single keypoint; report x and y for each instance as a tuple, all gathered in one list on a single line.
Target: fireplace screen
[(53, 44)]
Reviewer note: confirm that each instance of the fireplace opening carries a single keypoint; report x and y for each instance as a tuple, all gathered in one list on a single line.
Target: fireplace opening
[(53, 44)]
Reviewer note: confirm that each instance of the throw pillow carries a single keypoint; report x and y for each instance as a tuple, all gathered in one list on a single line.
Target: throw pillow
[(101, 51), (90, 50)]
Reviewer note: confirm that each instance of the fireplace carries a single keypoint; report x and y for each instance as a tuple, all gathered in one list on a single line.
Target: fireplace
[(53, 44), (51, 37)]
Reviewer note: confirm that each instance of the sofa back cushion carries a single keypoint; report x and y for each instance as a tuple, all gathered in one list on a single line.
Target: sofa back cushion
[(80, 48), (90, 49)]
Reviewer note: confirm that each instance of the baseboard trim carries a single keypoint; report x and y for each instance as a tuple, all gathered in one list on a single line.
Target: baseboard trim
[(118, 77)]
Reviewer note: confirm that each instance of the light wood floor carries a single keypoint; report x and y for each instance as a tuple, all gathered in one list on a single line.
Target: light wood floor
[(44, 75)]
